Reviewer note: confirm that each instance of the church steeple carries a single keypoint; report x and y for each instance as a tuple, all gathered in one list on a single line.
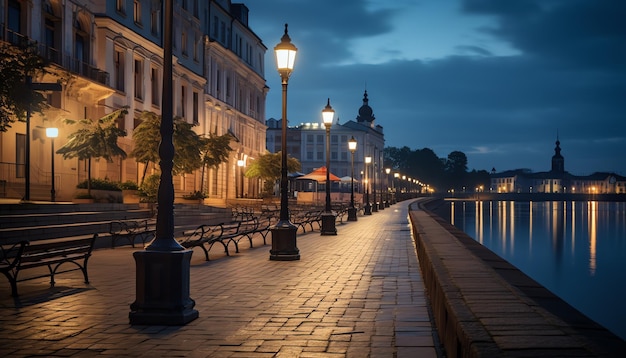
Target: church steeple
[(366, 114), (558, 162)]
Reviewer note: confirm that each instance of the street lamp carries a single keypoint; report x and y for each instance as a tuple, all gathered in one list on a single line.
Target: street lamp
[(284, 232), (52, 133), (163, 268), (240, 164), (352, 209), (374, 181), (387, 195), (368, 207), (396, 184), (328, 218)]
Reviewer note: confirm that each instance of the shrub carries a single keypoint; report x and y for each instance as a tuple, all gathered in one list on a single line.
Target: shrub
[(195, 195), (128, 185), (100, 184), (149, 189)]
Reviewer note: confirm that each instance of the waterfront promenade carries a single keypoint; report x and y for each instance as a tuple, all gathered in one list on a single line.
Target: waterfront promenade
[(357, 294), (366, 292)]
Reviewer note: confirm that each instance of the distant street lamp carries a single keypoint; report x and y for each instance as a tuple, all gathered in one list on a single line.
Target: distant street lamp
[(240, 164), (387, 195), (352, 209), (374, 181), (328, 218), (396, 184), (52, 133), (284, 232), (368, 206)]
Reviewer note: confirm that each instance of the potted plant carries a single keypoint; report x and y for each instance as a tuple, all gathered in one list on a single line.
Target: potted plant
[(196, 197), (130, 192)]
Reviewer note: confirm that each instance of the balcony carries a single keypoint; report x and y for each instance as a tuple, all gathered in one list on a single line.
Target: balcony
[(53, 55)]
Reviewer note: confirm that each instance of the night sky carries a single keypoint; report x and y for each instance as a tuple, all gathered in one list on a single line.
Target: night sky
[(495, 79)]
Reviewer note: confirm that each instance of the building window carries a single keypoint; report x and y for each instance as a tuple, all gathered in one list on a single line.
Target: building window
[(154, 82), (309, 138), (183, 42), (120, 6), (196, 48), (333, 139), (216, 25), (154, 21), (320, 155), (320, 138), (333, 155), (309, 155), (14, 17), (20, 155), (138, 80), (182, 101), (195, 108), (137, 11), (118, 61), (223, 32)]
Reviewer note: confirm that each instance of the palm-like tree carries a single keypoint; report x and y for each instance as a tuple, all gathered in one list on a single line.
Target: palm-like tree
[(215, 151), (267, 167), (95, 139), (190, 149)]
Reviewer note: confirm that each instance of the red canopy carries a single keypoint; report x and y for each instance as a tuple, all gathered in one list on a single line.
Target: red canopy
[(319, 175)]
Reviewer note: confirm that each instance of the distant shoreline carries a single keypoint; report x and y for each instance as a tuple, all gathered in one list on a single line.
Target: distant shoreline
[(440, 206), (537, 197)]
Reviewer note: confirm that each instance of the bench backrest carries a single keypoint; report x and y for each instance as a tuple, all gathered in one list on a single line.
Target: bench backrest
[(42, 251)]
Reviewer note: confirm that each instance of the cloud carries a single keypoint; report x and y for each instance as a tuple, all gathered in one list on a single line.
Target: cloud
[(567, 75)]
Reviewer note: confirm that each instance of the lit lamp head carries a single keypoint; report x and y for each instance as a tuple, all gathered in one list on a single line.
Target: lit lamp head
[(387, 170), (396, 175), (368, 160), (352, 145), (328, 113), (52, 132), (240, 163), (285, 55)]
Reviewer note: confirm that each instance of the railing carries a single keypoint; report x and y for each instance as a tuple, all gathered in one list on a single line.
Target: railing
[(53, 55)]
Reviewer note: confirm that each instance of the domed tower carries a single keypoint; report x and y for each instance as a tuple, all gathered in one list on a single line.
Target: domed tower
[(366, 114), (558, 162)]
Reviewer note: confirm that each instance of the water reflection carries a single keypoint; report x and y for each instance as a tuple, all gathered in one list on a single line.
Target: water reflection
[(575, 249)]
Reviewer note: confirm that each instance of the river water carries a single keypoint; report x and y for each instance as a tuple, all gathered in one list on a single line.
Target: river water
[(576, 249)]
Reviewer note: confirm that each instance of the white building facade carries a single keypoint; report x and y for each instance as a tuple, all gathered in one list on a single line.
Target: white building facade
[(108, 55)]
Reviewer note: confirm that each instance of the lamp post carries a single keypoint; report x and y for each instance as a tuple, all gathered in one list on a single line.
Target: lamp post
[(368, 206), (374, 181), (240, 164), (382, 197), (328, 218), (352, 209), (52, 133), (284, 232), (396, 177), (387, 195), (163, 268)]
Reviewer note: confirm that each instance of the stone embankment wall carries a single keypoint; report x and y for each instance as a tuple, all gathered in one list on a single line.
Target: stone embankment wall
[(485, 307)]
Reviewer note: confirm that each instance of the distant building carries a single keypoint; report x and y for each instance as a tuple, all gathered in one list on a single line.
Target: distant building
[(307, 143), (557, 180)]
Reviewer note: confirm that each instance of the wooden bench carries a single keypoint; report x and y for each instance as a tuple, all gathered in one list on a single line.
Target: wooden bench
[(204, 237), (130, 230), (25, 255)]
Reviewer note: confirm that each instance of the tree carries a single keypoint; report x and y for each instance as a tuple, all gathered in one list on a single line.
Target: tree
[(95, 139), (188, 145), (268, 167), (456, 167), (215, 151), (17, 62)]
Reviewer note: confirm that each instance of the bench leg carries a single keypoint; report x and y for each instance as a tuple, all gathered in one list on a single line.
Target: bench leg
[(13, 282)]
